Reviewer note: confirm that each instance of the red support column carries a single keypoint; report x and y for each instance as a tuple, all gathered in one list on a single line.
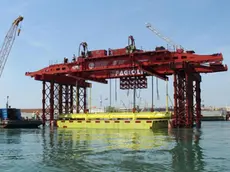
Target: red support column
[(198, 102), (43, 103), (60, 99), (182, 86), (66, 99), (175, 116), (81, 99), (189, 100), (47, 102), (56, 104), (78, 99), (56, 100), (74, 99), (184, 113), (71, 98), (85, 100), (180, 95), (51, 103)]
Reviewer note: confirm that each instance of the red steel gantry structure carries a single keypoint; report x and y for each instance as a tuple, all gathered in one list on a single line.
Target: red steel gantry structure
[(64, 85)]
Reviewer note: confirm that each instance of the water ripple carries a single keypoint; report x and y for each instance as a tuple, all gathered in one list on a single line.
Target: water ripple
[(65, 150)]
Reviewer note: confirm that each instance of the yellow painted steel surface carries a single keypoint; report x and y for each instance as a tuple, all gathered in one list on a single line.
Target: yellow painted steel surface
[(116, 115), (144, 120), (113, 124)]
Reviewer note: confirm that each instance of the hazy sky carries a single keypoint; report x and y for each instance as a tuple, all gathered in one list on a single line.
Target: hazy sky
[(54, 29)]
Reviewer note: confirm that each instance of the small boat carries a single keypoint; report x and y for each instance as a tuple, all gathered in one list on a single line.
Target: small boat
[(12, 118)]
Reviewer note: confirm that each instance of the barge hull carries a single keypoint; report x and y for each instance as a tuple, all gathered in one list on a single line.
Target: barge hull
[(20, 124), (114, 124)]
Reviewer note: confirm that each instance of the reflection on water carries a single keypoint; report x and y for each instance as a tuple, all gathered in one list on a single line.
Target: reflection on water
[(187, 154), (11, 138), (15, 148), (113, 150), (177, 150), (115, 139)]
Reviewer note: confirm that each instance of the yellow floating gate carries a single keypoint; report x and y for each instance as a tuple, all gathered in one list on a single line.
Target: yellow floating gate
[(148, 120)]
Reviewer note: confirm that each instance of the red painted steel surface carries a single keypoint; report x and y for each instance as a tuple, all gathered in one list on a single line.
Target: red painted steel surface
[(128, 63), (151, 62)]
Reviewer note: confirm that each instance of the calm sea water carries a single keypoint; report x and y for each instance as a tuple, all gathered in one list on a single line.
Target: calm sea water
[(59, 150)]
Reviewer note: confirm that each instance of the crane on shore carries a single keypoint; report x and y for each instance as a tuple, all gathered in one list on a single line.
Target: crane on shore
[(8, 42)]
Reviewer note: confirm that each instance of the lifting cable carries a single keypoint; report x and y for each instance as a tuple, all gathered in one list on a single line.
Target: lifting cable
[(116, 90), (138, 96), (158, 96), (170, 100)]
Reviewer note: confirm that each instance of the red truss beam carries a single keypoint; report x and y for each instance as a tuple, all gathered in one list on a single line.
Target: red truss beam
[(159, 61), (162, 70), (102, 81), (65, 80), (150, 70)]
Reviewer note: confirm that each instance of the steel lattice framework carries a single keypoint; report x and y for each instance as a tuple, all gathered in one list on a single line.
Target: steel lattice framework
[(8, 42), (132, 66)]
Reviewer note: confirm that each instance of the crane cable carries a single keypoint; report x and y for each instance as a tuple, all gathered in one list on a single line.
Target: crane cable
[(158, 95), (170, 100), (138, 96), (116, 90)]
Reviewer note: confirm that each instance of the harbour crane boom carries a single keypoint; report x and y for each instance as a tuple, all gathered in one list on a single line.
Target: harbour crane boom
[(169, 41), (8, 43)]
